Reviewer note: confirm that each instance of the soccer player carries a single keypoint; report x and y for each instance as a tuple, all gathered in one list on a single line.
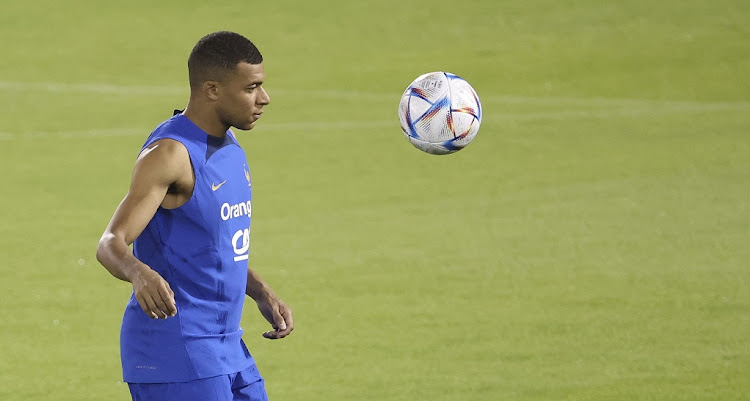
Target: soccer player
[(187, 214)]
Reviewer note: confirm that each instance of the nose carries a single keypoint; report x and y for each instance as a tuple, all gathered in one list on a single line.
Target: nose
[(264, 99)]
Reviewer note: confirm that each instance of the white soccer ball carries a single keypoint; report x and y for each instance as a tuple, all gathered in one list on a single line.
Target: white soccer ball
[(440, 113)]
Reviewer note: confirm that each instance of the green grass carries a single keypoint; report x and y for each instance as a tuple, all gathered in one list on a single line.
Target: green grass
[(591, 244)]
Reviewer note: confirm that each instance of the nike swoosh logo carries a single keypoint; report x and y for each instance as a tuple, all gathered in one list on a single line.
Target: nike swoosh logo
[(214, 187)]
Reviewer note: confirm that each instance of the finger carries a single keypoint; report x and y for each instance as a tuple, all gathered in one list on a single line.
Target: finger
[(143, 306), (168, 299), (286, 313), (272, 335), (155, 306), (276, 335), (147, 305), (278, 320), (169, 291), (161, 307)]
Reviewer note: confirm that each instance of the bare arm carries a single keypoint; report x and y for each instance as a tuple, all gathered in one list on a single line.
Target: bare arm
[(271, 307), (158, 167)]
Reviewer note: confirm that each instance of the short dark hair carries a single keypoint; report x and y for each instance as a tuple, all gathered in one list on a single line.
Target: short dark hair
[(219, 53)]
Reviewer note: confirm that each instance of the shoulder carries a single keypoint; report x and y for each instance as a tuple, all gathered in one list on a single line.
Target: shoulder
[(165, 158), (165, 149)]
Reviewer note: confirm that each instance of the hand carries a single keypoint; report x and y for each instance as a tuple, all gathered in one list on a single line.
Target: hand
[(278, 314), (153, 294)]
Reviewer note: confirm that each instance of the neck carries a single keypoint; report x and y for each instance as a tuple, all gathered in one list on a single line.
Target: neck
[(205, 118)]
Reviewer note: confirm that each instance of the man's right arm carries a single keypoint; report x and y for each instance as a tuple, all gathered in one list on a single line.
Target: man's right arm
[(158, 167)]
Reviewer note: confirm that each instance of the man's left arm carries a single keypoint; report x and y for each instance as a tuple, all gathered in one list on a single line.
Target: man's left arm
[(270, 305)]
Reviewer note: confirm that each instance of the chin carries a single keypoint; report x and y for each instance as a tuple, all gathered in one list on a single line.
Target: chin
[(246, 127)]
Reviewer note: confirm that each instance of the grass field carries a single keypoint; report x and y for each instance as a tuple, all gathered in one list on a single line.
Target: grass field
[(591, 244)]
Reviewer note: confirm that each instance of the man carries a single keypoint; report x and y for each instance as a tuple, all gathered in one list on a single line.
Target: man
[(187, 214)]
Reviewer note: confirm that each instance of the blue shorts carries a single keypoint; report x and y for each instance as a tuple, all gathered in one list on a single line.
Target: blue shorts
[(247, 385)]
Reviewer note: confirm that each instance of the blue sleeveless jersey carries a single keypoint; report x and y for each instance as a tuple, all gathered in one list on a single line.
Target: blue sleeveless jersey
[(201, 250)]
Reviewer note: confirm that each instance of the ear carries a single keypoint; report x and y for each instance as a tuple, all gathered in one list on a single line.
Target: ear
[(211, 89)]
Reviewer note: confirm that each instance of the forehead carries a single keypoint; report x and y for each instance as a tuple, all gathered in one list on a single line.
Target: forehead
[(247, 73)]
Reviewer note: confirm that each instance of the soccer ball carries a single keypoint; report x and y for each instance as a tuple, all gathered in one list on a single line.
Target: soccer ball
[(440, 113)]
